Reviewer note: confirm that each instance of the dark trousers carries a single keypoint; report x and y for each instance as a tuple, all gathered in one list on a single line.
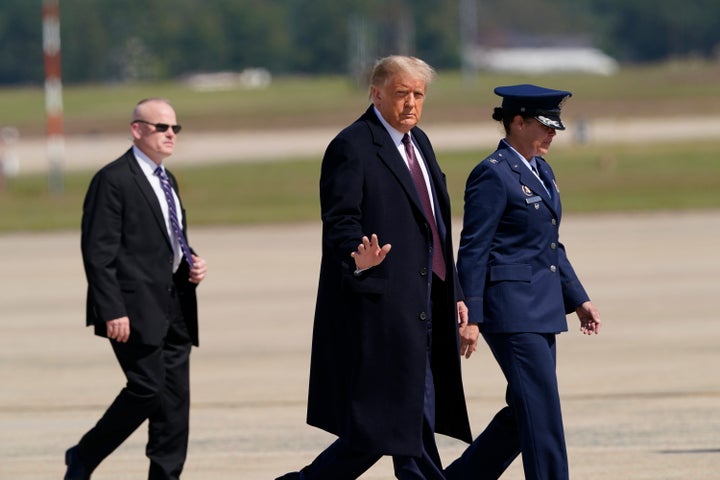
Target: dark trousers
[(340, 462), (157, 389), (531, 424)]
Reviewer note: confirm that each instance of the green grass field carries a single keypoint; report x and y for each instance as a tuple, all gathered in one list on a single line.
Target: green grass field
[(622, 178), (669, 89), (592, 179)]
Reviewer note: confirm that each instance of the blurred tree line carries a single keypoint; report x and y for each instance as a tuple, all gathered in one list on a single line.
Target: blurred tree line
[(104, 40)]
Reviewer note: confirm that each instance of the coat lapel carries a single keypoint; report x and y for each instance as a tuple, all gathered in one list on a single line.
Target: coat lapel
[(549, 180), (440, 195), (530, 181), (391, 157), (148, 194)]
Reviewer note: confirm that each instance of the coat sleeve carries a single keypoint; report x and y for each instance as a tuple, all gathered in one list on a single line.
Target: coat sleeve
[(573, 292), (341, 196), (485, 200), (100, 244)]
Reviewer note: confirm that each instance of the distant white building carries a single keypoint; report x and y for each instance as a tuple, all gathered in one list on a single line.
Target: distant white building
[(537, 60), (249, 78)]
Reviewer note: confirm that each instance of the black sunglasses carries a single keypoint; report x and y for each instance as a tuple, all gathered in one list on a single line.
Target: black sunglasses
[(161, 127)]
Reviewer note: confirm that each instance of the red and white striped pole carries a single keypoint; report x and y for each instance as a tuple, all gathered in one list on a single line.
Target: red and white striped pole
[(53, 93)]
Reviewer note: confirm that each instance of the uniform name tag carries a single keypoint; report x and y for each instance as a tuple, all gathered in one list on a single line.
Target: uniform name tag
[(534, 199)]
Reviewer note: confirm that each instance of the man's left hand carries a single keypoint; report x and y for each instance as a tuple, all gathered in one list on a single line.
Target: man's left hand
[(199, 269)]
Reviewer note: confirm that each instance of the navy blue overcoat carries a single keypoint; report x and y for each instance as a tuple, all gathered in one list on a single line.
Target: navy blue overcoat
[(369, 349)]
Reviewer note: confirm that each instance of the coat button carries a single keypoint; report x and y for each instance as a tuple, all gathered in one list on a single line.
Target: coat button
[(554, 221), (553, 268), (423, 272), (553, 245), (423, 316)]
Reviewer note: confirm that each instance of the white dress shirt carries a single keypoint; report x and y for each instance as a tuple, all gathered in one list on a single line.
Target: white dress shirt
[(148, 168)]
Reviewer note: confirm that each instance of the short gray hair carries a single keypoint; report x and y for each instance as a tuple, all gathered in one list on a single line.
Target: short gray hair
[(139, 107)]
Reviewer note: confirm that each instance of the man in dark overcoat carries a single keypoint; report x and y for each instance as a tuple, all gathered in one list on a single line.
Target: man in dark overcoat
[(385, 366)]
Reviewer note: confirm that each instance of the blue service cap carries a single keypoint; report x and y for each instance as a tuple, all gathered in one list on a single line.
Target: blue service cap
[(541, 103)]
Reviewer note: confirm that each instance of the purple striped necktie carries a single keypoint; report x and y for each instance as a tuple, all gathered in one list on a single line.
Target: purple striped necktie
[(172, 213), (438, 261)]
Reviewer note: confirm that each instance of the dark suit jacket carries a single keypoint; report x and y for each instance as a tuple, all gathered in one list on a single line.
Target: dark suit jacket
[(513, 269), (128, 256), (369, 346)]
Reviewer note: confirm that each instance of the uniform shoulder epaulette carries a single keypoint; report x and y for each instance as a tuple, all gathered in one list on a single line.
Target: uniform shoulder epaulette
[(496, 158)]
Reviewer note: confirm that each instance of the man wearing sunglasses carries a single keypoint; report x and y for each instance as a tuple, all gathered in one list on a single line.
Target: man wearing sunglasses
[(142, 277)]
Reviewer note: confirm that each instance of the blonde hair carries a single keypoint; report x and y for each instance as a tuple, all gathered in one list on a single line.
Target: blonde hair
[(388, 67)]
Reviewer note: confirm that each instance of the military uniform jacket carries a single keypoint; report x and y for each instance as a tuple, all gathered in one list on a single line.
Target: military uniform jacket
[(512, 267), (370, 335)]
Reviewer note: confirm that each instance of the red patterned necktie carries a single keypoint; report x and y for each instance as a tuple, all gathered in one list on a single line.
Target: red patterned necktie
[(438, 261)]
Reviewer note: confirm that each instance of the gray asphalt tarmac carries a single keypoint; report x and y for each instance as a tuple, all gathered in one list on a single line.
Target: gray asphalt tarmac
[(641, 400)]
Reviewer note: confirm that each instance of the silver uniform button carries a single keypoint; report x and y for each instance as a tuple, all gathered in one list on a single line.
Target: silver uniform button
[(553, 268)]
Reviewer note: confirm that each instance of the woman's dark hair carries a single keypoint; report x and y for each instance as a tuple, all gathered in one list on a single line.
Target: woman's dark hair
[(506, 117)]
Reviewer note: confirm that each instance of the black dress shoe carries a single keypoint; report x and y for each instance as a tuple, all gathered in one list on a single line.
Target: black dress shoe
[(75, 469)]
